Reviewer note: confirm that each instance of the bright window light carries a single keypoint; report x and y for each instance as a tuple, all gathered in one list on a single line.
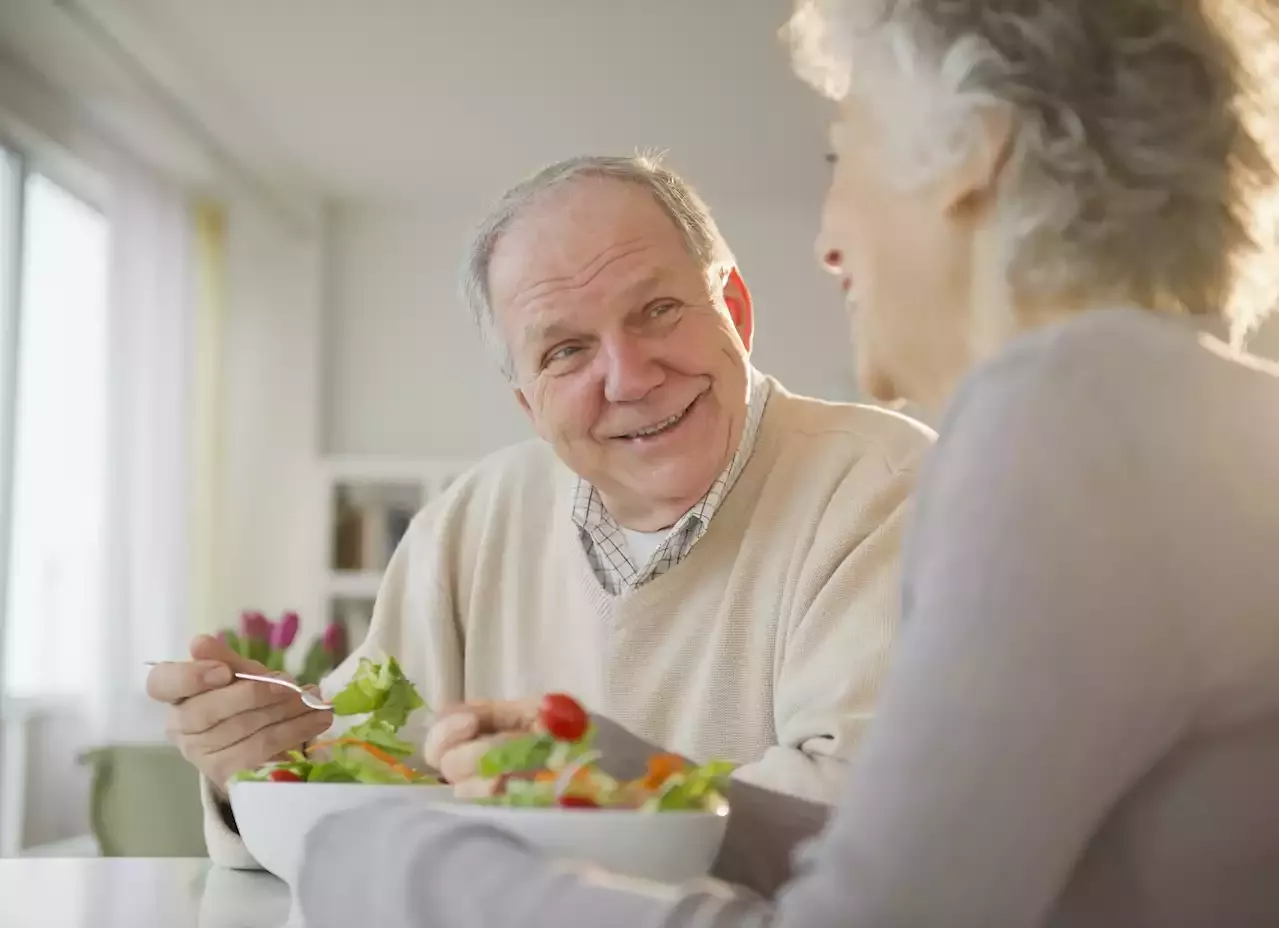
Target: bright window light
[(56, 587)]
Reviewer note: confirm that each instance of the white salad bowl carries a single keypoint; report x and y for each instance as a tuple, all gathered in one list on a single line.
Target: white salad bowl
[(669, 846), (274, 818)]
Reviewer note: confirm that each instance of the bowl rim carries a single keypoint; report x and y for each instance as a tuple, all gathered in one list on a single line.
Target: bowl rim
[(238, 784), (558, 811)]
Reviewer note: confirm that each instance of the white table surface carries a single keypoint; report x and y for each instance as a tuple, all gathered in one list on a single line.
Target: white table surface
[(105, 892)]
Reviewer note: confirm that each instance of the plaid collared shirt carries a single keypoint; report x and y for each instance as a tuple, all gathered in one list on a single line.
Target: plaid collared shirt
[(604, 541)]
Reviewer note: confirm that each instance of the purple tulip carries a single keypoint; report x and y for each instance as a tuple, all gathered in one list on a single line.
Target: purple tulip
[(254, 626), (334, 639), (284, 631)]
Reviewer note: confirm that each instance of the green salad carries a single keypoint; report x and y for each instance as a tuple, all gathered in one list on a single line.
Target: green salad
[(368, 752), (557, 767)]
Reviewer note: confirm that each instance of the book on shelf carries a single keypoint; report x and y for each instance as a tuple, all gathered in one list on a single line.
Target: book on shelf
[(368, 531)]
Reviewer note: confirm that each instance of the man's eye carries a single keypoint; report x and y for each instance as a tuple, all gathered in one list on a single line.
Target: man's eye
[(562, 353), (663, 308)]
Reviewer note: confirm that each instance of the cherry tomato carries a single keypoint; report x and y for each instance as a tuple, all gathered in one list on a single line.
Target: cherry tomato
[(562, 718), (284, 776), (577, 802)]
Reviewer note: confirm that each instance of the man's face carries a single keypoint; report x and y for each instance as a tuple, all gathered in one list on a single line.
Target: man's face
[(629, 361)]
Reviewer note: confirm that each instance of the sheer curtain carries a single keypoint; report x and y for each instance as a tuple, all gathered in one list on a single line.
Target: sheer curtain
[(99, 360), (149, 389)]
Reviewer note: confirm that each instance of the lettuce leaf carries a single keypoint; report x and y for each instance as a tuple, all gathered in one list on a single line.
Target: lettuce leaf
[(527, 752), (380, 689), (383, 693), (380, 734), (697, 789)]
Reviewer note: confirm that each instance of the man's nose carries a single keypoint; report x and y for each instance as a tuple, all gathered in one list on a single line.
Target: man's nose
[(631, 369)]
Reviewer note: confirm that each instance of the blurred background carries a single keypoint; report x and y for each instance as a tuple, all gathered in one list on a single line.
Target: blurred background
[(232, 360)]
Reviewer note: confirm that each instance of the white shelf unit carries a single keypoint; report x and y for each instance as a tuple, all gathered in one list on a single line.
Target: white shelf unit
[(353, 584), (371, 484)]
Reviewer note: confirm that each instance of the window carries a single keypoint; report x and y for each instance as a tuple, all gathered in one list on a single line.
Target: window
[(52, 439), (10, 256)]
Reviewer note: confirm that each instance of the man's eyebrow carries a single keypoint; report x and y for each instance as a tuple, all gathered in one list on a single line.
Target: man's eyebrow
[(539, 332), (644, 285)]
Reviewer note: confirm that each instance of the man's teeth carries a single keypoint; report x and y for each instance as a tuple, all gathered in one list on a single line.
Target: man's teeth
[(655, 429)]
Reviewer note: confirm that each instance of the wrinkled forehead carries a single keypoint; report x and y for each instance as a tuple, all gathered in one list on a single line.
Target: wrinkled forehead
[(592, 237)]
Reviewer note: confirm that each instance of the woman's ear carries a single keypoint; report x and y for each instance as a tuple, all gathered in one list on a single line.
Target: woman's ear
[(973, 179)]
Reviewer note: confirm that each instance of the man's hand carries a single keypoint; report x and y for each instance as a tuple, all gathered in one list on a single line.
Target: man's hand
[(463, 733), (223, 725)]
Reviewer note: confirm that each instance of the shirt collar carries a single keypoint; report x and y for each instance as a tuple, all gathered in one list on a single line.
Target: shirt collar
[(591, 516)]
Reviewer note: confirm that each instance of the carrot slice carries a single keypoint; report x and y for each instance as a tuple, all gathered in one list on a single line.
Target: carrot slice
[(372, 749), (661, 766), (580, 776)]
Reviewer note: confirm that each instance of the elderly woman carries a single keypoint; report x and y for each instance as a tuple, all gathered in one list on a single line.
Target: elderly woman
[(1042, 209)]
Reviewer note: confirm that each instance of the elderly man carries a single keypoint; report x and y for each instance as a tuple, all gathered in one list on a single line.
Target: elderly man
[(703, 556)]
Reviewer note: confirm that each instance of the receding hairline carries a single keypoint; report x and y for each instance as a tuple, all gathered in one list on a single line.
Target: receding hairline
[(526, 208), (606, 257), (683, 207)]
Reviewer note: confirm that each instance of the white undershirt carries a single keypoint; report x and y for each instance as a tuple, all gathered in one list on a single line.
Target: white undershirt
[(641, 545)]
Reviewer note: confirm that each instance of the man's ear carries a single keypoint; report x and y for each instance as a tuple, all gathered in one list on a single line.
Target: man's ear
[(972, 181), (738, 299)]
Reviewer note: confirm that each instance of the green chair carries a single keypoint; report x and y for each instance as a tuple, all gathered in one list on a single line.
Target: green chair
[(145, 802)]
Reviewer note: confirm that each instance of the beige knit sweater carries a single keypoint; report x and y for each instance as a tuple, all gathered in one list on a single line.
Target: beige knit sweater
[(765, 646)]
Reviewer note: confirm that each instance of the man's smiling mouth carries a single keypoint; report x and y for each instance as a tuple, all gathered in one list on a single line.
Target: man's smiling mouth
[(660, 427)]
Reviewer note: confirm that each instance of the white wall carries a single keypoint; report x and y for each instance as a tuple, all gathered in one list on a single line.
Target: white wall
[(268, 527), (405, 373)]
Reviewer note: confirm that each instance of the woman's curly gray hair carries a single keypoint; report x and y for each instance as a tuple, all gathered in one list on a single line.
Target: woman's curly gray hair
[(1143, 163)]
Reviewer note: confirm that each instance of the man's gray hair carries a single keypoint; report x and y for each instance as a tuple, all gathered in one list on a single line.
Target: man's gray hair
[(677, 199), (1142, 164)]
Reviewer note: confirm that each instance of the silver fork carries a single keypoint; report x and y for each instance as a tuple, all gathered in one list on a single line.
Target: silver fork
[(309, 700)]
